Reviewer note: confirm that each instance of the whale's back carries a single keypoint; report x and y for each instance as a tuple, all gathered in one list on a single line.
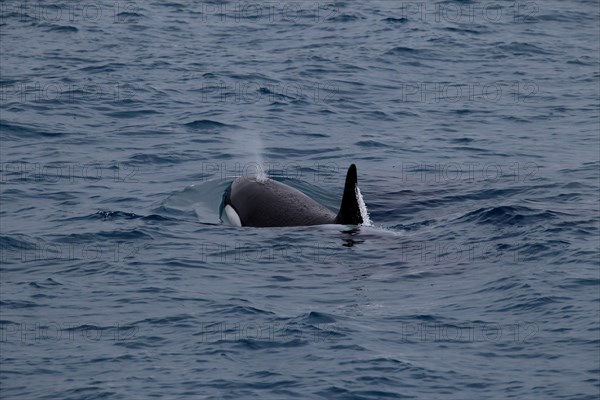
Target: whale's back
[(264, 203)]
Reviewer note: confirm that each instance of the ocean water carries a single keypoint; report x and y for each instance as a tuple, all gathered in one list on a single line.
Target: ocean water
[(475, 130)]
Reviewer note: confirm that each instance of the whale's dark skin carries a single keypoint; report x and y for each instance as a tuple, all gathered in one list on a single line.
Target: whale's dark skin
[(268, 203)]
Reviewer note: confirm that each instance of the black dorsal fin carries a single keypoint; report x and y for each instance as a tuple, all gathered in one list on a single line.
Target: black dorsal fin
[(349, 213)]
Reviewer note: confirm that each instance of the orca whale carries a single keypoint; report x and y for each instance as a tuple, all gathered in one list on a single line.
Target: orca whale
[(268, 203)]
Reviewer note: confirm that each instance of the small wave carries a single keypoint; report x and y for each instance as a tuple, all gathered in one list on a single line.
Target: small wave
[(315, 317), (17, 241), (412, 226), (549, 250), (370, 143), (21, 131), (115, 215), (536, 303), (577, 283), (132, 113), (259, 344), (110, 67), (402, 50), (63, 28), (85, 328), (462, 30), (48, 283), (17, 304), (345, 18), (132, 234), (295, 152), (519, 48), (415, 53), (146, 159), (587, 61), (509, 215), (123, 16), (141, 342), (392, 20), (173, 320), (206, 124), (242, 310), (463, 140)]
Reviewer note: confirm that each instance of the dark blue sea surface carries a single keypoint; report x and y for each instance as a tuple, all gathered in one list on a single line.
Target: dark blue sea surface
[(475, 130)]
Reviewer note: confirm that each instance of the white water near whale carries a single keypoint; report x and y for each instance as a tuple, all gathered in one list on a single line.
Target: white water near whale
[(364, 213)]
